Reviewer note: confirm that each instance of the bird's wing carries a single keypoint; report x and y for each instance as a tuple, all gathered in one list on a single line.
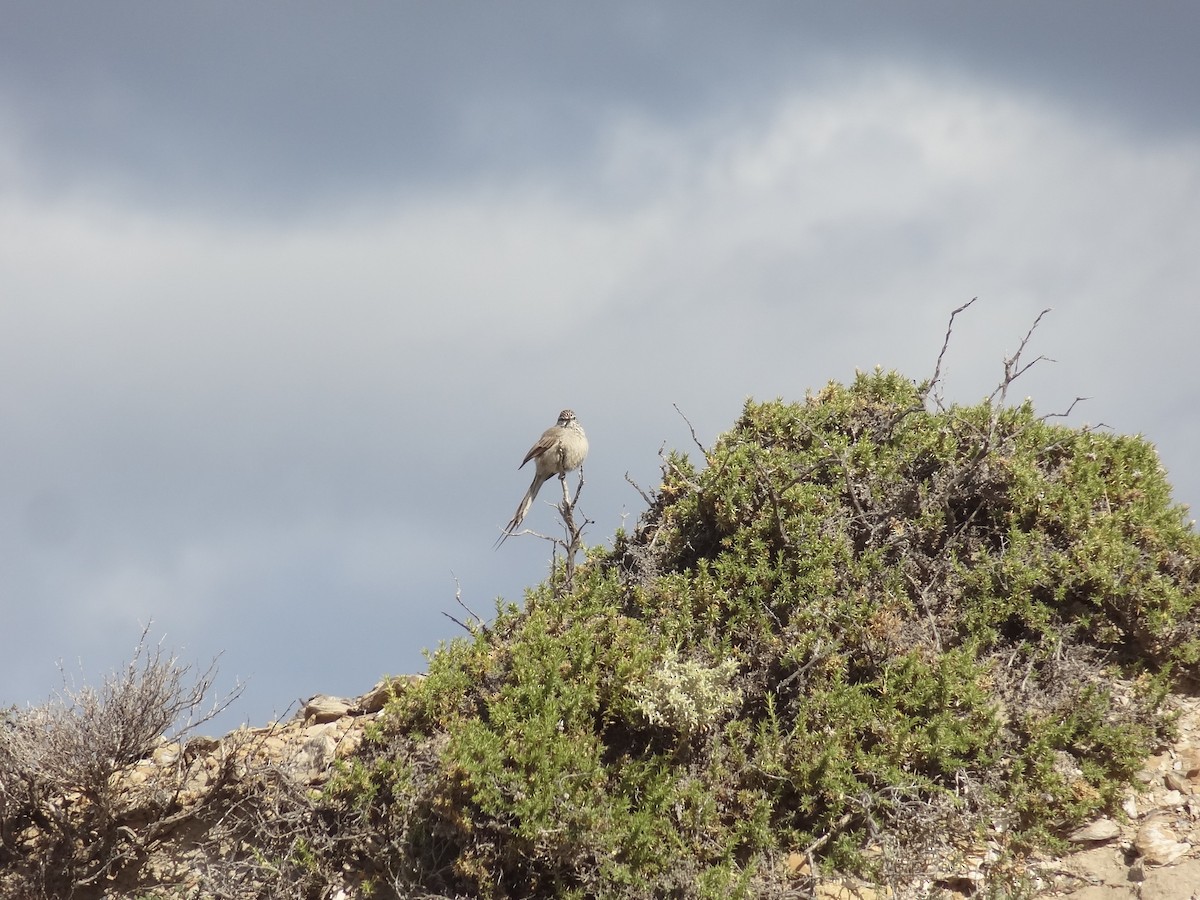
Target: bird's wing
[(544, 443)]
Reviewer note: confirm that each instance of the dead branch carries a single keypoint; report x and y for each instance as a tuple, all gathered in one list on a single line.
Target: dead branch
[(937, 369), (1013, 369), (1063, 415), (649, 501), (474, 626), (695, 440), (1012, 364), (574, 533), (670, 467)]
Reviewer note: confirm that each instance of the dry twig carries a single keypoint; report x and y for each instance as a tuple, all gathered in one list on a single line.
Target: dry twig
[(937, 369)]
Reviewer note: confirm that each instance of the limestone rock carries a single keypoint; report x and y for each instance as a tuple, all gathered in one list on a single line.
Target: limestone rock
[(316, 753), (1189, 762), (1158, 844), (324, 708), (1177, 782), (1102, 829), (375, 699), (385, 689)]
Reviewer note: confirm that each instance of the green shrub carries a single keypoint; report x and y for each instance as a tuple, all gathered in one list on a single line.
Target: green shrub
[(863, 626)]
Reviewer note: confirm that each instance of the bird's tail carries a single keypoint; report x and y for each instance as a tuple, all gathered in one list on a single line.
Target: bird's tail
[(522, 511)]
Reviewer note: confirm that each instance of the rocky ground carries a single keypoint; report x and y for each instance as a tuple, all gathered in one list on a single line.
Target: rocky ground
[(1152, 852), (1155, 853), (194, 817)]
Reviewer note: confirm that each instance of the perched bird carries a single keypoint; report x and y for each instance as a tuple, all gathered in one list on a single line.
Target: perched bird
[(562, 448)]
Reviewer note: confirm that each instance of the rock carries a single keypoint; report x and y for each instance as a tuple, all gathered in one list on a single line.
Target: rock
[(1103, 829), (1158, 844), (377, 697), (1155, 765), (851, 890), (797, 865), (324, 708), (316, 753), (138, 775), (166, 754), (1189, 762), (199, 746), (1137, 872), (1177, 782), (1178, 882)]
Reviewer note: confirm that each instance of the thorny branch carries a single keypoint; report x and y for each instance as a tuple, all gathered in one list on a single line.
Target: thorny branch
[(1063, 415), (937, 369), (695, 440), (646, 498), (1012, 364), (471, 627)]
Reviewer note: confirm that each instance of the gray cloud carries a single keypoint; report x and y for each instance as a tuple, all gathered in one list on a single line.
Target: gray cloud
[(223, 107)]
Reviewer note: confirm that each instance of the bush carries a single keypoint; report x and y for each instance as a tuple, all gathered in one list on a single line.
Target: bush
[(61, 825), (867, 631)]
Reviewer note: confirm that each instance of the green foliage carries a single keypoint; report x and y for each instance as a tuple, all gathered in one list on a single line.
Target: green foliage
[(862, 623)]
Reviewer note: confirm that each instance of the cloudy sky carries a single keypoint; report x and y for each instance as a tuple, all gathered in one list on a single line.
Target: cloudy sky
[(288, 290)]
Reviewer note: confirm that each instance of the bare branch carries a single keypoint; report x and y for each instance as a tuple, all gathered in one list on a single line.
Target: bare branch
[(695, 440), (465, 627), (824, 839), (937, 369), (923, 593), (817, 656), (1063, 415), (1012, 364), (574, 533), (77, 745), (474, 626), (578, 487), (645, 497), (1012, 371)]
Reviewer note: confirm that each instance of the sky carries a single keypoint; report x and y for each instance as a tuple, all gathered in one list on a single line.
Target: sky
[(288, 290)]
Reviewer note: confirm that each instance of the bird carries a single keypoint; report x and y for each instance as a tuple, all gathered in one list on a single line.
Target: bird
[(562, 448)]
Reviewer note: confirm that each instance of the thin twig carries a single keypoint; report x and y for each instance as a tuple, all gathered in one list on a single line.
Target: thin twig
[(841, 458), (574, 533), (1012, 371), (765, 481), (578, 488), (923, 593), (824, 839), (695, 440), (1063, 415), (670, 467), (816, 656), (459, 600), (645, 497), (1012, 367), (459, 622), (937, 369)]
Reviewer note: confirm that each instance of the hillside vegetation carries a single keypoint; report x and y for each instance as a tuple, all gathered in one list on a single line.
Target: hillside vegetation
[(868, 635)]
